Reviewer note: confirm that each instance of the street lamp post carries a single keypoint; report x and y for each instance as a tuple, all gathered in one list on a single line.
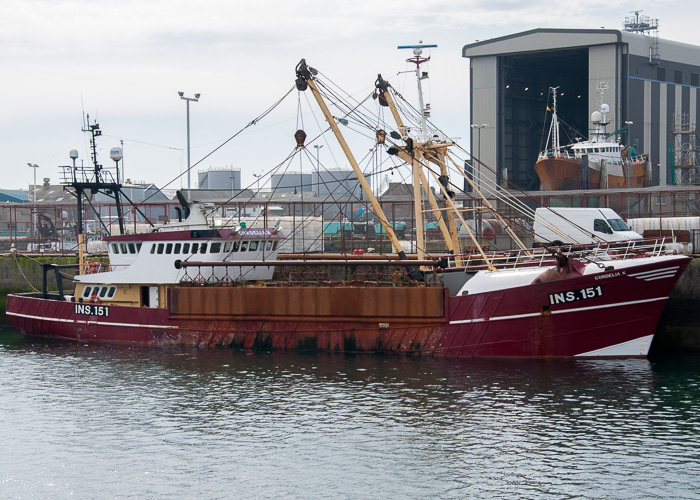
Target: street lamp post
[(478, 214), (257, 177), (34, 166), (478, 150), (35, 221), (318, 165), (188, 99)]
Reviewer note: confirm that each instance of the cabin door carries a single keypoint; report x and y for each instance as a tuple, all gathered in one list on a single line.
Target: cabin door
[(149, 296), (152, 296)]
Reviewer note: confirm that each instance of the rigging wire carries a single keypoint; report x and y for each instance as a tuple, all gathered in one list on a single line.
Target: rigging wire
[(253, 122), (354, 112)]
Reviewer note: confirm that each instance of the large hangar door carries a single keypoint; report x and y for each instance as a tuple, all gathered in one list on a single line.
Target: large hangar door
[(525, 80)]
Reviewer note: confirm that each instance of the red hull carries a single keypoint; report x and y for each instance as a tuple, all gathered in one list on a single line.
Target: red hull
[(519, 321), (564, 174)]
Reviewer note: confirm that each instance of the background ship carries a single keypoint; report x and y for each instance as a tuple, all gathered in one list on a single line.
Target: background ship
[(592, 164)]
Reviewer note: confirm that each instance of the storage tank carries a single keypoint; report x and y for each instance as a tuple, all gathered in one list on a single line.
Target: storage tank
[(339, 183), (679, 229), (290, 182), (219, 178)]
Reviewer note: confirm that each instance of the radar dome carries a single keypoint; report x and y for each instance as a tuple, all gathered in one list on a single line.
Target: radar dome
[(116, 153), (605, 108), (596, 117)]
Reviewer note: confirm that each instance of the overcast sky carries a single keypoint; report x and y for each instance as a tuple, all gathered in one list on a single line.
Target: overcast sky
[(124, 62)]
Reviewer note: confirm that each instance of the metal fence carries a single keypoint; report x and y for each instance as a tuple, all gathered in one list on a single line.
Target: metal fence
[(345, 226)]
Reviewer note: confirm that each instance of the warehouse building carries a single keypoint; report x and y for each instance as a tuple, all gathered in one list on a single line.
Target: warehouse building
[(650, 82)]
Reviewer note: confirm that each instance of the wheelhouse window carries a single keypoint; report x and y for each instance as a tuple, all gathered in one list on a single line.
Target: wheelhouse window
[(269, 245), (236, 246), (178, 247), (160, 248), (203, 248), (132, 248), (122, 247), (169, 248), (253, 246), (215, 247), (244, 246), (115, 248), (227, 246), (104, 292), (195, 247), (185, 248)]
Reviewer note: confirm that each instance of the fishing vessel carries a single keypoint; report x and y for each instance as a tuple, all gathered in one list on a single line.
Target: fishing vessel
[(191, 282), (598, 162)]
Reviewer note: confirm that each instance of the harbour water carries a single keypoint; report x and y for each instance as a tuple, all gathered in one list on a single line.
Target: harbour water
[(104, 422)]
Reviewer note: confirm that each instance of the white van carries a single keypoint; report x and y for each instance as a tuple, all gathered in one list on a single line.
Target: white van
[(572, 226)]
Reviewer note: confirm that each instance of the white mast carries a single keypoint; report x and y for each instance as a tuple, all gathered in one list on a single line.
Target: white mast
[(554, 130), (418, 60)]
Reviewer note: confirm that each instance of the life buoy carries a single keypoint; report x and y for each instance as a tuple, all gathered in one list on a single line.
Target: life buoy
[(95, 299), (92, 267)]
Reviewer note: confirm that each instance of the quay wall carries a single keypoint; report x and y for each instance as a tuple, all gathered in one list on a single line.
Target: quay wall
[(23, 273), (679, 328)]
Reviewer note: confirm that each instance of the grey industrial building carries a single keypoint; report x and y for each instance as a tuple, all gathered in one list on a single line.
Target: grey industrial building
[(648, 81), (289, 182), (338, 183), (219, 178)]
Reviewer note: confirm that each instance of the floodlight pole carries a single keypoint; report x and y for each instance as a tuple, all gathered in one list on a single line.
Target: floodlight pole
[(189, 164)]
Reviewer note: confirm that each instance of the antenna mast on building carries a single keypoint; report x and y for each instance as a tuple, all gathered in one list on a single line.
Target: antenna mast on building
[(646, 26)]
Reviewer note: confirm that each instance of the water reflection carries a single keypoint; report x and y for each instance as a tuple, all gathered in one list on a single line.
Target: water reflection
[(174, 422)]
